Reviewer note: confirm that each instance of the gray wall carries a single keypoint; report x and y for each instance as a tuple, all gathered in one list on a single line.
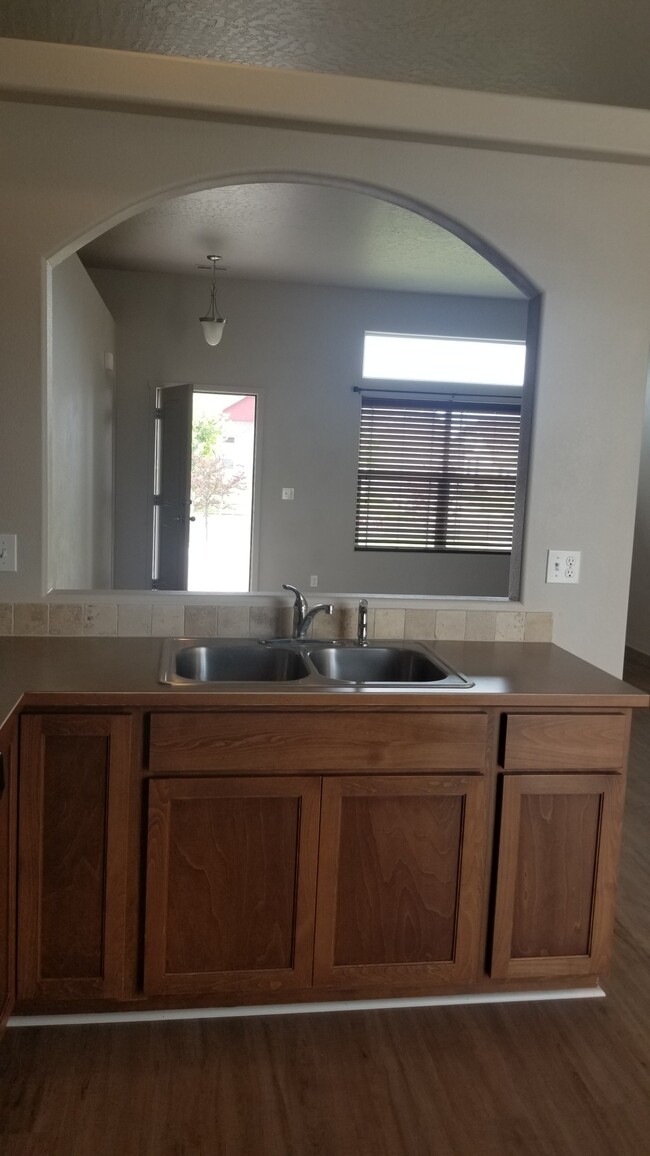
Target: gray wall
[(576, 224), (300, 348), (80, 433)]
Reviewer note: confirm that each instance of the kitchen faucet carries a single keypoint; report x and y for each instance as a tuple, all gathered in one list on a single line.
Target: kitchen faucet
[(302, 615)]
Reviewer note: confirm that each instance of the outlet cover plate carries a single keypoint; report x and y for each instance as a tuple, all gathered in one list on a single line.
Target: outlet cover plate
[(563, 566)]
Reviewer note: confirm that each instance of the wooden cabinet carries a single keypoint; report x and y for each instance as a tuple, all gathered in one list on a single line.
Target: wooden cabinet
[(310, 741), (400, 881), (558, 851), (566, 742), (72, 855), (231, 884), (259, 855), (7, 873)]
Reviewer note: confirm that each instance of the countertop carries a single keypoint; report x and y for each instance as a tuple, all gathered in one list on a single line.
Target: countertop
[(110, 672)]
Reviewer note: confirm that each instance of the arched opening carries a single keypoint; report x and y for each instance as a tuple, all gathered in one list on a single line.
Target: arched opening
[(310, 266)]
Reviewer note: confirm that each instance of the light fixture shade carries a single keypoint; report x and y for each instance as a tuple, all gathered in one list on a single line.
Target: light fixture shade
[(213, 330), (213, 323)]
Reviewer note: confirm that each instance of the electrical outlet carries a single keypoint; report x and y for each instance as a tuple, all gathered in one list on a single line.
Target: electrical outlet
[(313, 581), (8, 560), (287, 493), (563, 566)]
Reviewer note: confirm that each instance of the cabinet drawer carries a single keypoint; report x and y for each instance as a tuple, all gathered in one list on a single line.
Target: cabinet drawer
[(293, 741), (549, 742)]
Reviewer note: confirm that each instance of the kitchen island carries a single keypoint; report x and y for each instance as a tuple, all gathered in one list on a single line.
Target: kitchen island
[(198, 847)]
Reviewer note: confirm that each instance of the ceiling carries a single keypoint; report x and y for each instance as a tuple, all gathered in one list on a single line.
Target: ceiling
[(588, 50), (299, 232)]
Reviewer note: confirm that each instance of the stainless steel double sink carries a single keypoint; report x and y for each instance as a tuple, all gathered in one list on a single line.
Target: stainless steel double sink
[(192, 661)]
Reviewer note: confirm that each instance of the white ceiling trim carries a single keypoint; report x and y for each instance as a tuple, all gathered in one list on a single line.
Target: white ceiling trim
[(54, 73)]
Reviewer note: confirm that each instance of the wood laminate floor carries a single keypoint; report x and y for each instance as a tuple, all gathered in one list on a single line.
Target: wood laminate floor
[(546, 1079)]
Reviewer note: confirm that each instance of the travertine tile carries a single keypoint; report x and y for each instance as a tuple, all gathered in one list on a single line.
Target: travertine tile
[(167, 619), (200, 621), (134, 619), (329, 625), (270, 621), (510, 626), (6, 618), (350, 622), (100, 619), (388, 624), (66, 618), (30, 618), (420, 624), (538, 626), (233, 621), (451, 624), (480, 625)]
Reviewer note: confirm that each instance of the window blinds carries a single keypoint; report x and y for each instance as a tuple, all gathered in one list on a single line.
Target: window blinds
[(436, 475)]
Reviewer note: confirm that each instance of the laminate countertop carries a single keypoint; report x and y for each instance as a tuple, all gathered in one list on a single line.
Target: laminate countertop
[(112, 672)]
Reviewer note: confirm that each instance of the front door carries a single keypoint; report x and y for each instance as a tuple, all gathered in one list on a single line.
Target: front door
[(173, 480)]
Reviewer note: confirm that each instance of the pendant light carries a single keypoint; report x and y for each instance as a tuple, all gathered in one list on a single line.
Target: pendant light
[(213, 322)]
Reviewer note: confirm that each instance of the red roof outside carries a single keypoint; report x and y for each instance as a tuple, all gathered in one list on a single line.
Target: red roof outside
[(242, 410)]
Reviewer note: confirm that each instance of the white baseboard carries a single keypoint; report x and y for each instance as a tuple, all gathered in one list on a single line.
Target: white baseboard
[(124, 1017)]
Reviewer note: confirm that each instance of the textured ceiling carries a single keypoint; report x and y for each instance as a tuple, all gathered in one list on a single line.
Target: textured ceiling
[(590, 50), (298, 232)]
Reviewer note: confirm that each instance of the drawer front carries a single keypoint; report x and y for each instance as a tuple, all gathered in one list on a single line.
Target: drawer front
[(549, 742), (294, 741)]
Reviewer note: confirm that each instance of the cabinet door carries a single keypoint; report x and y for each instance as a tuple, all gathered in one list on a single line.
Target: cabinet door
[(557, 861), (231, 882), (74, 774), (7, 877), (401, 866)]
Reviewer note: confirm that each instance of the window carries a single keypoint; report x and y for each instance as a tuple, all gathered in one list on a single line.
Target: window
[(471, 361), (436, 474)]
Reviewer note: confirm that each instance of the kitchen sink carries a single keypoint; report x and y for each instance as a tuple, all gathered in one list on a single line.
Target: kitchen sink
[(376, 664), (308, 664), (218, 663)]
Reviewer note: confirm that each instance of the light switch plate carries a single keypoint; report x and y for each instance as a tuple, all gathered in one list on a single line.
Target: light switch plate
[(8, 552), (287, 493)]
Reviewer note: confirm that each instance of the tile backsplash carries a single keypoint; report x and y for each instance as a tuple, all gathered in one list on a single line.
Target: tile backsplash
[(170, 619)]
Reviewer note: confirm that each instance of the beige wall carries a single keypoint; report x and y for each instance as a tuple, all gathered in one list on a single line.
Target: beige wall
[(577, 227), (80, 433), (298, 347)]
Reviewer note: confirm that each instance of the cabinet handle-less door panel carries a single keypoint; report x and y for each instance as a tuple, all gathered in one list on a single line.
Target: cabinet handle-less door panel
[(557, 863), (566, 742), (269, 742), (73, 820), (231, 882), (400, 881)]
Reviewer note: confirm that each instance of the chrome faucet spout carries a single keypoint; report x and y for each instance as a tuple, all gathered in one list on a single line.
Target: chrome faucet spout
[(302, 615), (323, 607)]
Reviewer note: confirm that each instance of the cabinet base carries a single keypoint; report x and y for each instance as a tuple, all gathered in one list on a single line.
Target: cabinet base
[(208, 1013)]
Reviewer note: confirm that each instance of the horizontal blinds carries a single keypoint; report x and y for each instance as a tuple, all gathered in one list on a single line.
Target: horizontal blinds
[(436, 475)]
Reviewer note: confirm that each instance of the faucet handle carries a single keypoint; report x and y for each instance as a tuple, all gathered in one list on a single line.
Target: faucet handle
[(301, 601)]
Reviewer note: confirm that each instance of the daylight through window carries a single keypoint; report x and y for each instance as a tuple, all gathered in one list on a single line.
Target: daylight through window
[(436, 475)]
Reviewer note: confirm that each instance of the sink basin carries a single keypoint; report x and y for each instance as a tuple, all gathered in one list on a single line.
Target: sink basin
[(378, 664), (313, 665), (236, 664)]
